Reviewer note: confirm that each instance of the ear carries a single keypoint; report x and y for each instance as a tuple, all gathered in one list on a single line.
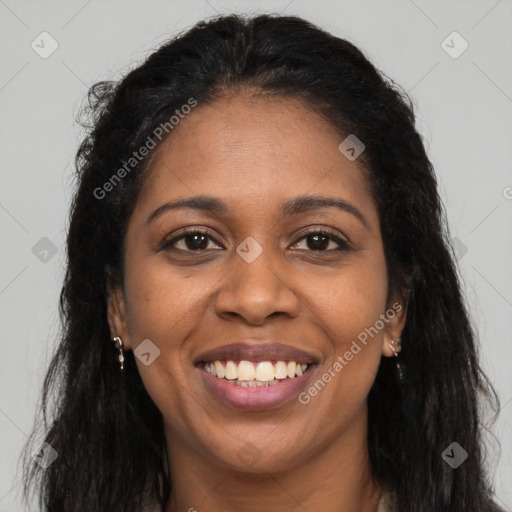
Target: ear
[(116, 312), (396, 314)]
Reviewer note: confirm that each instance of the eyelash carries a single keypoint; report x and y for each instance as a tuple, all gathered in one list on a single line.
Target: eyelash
[(343, 245)]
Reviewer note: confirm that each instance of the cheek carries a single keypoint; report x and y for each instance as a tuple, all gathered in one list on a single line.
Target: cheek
[(160, 307), (352, 301), (349, 310), (161, 304), (165, 308)]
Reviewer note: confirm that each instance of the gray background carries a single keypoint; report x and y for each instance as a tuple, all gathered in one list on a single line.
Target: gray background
[(464, 110)]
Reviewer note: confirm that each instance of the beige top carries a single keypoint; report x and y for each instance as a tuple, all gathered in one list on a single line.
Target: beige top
[(387, 502)]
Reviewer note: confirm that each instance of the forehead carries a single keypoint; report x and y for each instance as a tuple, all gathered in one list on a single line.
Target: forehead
[(253, 152)]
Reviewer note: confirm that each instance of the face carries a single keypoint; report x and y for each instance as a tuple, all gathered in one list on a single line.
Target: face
[(254, 264)]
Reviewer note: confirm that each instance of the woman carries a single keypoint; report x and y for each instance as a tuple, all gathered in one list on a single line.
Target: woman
[(261, 308)]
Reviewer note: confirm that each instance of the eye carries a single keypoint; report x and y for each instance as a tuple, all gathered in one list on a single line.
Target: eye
[(322, 241), (192, 240)]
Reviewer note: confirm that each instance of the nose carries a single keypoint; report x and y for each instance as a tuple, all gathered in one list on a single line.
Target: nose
[(255, 291)]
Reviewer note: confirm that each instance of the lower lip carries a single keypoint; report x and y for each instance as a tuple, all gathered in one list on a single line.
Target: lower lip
[(255, 398)]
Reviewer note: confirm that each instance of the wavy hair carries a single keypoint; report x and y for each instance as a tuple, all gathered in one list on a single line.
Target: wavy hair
[(104, 426)]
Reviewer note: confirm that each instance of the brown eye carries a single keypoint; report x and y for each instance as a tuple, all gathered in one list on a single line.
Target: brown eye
[(192, 241), (322, 241)]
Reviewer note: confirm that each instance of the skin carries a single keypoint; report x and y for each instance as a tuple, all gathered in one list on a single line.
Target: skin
[(254, 153)]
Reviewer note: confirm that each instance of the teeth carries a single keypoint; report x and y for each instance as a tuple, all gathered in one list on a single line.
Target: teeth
[(219, 370), (255, 374), (255, 383), (264, 371), (246, 371), (280, 370), (231, 371)]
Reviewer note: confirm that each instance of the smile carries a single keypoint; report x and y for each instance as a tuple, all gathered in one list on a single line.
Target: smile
[(255, 373)]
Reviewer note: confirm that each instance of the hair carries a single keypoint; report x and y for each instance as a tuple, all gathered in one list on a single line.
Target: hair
[(106, 429)]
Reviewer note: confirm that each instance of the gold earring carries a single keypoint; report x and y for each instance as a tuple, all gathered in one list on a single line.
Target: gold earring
[(396, 343), (119, 344)]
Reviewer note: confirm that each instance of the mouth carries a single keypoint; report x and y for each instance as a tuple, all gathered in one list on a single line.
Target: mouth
[(253, 373), (255, 376)]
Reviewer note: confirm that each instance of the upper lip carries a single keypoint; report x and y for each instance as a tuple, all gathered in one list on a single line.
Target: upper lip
[(262, 351)]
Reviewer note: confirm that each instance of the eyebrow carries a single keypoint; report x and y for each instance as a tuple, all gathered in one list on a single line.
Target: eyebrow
[(291, 207)]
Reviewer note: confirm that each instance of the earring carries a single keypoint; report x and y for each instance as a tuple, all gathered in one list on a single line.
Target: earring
[(119, 344), (396, 343)]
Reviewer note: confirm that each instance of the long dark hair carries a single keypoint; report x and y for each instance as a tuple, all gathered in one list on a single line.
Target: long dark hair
[(105, 428)]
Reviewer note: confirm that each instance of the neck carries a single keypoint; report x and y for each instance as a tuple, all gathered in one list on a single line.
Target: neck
[(335, 478)]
